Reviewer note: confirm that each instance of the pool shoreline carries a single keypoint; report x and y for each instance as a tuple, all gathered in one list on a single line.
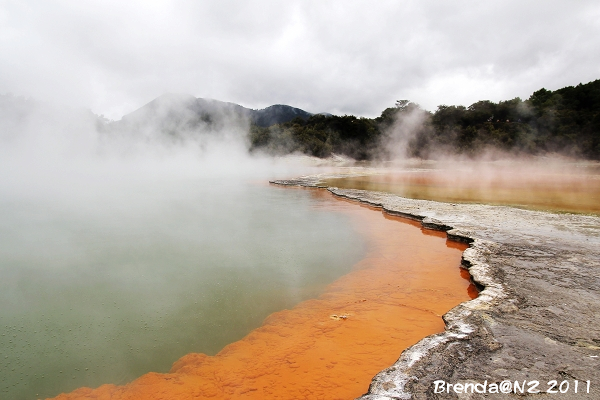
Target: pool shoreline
[(537, 317), (332, 345)]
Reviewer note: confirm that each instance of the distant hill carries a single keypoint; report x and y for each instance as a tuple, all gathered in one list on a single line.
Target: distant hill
[(277, 114), (176, 114)]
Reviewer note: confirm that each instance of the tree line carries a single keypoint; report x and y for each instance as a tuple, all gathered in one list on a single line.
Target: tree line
[(565, 121)]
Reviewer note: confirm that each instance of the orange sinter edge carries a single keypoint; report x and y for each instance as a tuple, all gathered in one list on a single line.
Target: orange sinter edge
[(332, 346)]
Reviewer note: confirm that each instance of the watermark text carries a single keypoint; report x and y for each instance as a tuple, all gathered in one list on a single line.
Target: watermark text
[(517, 387)]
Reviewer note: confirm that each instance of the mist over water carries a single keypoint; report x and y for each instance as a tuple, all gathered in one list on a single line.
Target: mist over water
[(125, 246), (120, 255), (479, 174), (547, 184)]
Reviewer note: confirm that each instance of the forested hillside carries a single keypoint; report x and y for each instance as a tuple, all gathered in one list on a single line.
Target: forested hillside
[(565, 121)]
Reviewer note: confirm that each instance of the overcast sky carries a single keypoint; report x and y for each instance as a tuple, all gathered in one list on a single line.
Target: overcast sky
[(355, 57)]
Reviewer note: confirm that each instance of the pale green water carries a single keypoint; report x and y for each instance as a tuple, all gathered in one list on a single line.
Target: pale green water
[(108, 287)]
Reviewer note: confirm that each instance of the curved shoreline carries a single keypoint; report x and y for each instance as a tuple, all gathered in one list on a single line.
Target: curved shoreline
[(537, 317), (330, 346)]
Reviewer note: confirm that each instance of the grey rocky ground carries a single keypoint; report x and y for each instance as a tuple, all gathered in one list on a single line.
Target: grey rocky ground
[(537, 317)]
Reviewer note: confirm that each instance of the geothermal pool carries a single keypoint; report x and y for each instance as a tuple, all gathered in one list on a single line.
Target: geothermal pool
[(330, 346), (107, 286), (106, 281), (540, 185)]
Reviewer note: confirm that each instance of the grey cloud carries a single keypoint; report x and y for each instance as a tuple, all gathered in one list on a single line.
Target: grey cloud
[(333, 56)]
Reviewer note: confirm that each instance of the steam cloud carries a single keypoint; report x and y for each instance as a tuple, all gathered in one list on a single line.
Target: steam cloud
[(54, 152)]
